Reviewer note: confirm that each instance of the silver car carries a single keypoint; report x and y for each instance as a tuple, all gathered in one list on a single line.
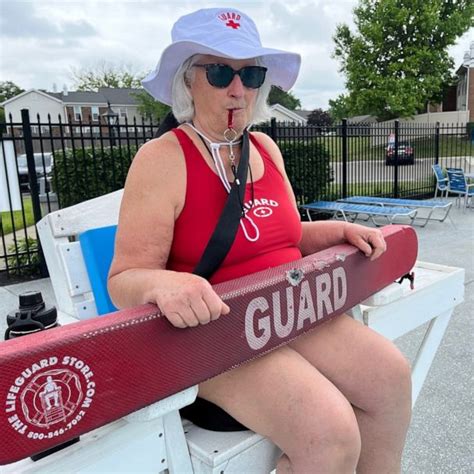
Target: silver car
[(43, 165)]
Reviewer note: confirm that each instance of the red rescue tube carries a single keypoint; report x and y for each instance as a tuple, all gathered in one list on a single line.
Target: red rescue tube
[(58, 384)]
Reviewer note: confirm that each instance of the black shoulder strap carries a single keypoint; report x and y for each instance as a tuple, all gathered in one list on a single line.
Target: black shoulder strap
[(226, 228), (168, 123)]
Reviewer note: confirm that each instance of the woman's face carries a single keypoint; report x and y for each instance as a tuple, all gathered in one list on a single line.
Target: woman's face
[(212, 104)]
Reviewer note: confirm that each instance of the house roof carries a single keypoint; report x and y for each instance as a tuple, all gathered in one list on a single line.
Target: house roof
[(302, 113), (120, 96), (362, 119), (104, 95), (291, 114), (79, 97), (46, 94)]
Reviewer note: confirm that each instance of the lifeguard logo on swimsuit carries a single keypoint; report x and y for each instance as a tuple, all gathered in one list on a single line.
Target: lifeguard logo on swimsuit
[(231, 19), (261, 207), (50, 397)]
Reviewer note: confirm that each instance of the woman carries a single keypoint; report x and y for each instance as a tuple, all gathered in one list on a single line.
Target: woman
[(334, 400)]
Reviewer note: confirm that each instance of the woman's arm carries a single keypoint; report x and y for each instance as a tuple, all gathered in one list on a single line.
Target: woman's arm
[(320, 235), (153, 199), (323, 234)]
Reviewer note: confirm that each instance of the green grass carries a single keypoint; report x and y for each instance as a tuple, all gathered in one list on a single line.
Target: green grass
[(381, 188), (362, 148), (448, 146), (19, 221)]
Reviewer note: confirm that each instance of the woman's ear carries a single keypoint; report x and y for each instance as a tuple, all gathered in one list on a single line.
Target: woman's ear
[(187, 81)]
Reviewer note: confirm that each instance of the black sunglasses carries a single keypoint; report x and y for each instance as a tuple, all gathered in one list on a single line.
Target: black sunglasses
[(221, 75)]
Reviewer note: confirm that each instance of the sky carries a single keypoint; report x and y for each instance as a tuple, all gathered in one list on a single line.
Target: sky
[(43, 41)]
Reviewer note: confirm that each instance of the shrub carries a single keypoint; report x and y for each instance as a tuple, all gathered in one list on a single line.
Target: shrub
[(86, 173), (308, 167), (470, 131), (27, 261)]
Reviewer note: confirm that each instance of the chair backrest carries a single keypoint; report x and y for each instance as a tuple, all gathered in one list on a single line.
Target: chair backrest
[(59, 232), (441, 179), (98, 250), (457, 180)]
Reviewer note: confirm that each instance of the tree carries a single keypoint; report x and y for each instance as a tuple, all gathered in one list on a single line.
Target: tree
[(150, 108), (287, 99), (319, 117), (9, 89), (109, 75), (397, 60), (339, 108), (106, 75)]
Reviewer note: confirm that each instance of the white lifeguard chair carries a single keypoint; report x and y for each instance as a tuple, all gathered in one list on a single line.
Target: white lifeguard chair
[(155, 439)]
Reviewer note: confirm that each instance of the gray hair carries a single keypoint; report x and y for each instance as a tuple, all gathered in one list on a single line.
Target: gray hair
[(183, 105)]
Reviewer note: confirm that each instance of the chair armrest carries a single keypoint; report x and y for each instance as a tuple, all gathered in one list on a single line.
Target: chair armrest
[(165, 406)]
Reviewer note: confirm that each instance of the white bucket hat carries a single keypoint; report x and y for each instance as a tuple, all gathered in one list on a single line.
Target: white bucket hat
[(223, 32)]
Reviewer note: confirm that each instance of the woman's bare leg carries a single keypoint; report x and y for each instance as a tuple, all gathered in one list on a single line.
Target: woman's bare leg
[(282, 396), (375, 377)]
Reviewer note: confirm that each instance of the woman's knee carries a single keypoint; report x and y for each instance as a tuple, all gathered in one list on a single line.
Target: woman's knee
[(396, 387), (342, 438), (333, 441)]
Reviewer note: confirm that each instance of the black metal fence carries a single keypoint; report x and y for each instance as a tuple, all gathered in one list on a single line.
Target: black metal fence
[(59, 164)]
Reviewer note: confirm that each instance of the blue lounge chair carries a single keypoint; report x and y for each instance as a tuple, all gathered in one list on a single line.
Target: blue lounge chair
[(441, 181), (350, 212), (458, 185), (430, 204)]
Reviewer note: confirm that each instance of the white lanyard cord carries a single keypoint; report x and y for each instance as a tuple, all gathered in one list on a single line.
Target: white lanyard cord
[(217, 159)]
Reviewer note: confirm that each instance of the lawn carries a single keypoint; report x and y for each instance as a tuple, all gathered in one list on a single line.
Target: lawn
[(362, 148), (21, 219)]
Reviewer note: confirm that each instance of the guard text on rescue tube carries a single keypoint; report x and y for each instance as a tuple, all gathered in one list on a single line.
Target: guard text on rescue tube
[(290, 309)]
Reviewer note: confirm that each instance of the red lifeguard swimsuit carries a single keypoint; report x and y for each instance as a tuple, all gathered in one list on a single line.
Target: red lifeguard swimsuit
[(272, 212)]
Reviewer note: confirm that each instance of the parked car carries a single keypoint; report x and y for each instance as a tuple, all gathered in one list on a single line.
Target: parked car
[(406, 154), (43, 165)]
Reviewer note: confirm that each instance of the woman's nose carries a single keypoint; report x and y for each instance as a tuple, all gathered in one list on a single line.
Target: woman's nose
[(236, 88)]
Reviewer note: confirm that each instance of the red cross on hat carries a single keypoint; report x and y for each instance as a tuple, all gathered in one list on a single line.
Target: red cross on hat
[(232, 24)]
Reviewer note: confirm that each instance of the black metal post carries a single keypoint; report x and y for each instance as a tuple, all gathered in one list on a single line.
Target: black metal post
[(111, 135), (395, 171), (33, 179), (273, 128), (344, 158), (437, 143)]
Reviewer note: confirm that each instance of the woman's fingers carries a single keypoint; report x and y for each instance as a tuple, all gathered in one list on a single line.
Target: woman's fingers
[(175, 319), (215, 305), (370, 241), (191, 301), (377, 243), (201, 311)]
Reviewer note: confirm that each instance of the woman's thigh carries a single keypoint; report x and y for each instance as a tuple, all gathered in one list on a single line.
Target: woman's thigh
[(365, 366), (284, 397)]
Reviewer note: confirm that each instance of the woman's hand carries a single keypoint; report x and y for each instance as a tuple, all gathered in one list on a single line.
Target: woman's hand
[(188, 300), (367, 239)]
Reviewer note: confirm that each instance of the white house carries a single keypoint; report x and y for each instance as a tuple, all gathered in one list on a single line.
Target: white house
[(282, 114), (465, 88), (73, 106), (38, 103)]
